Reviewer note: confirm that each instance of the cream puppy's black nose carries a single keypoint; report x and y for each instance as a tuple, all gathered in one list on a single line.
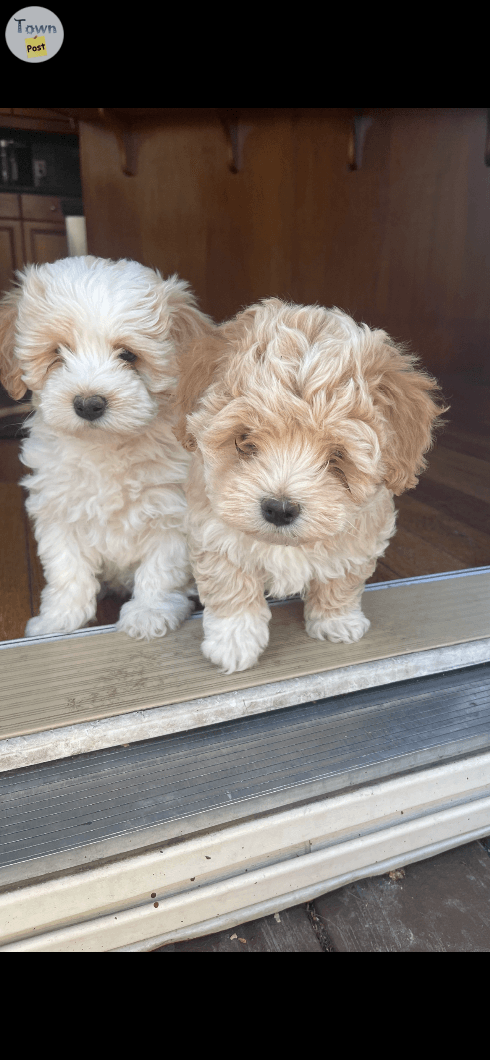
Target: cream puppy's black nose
[(90, 408), (280, 512)]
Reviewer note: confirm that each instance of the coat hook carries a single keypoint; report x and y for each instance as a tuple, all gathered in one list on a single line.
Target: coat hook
[(236, 133), (125, 138), (362, 122)]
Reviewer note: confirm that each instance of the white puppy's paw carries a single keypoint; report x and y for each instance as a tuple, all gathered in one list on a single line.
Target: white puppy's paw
[(58, 622), (145, 623), (39, 626), (343, 628), (234, 643)]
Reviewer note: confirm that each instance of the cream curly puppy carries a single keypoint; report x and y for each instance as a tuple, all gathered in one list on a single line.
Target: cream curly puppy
[(303, 425), (96, 341)]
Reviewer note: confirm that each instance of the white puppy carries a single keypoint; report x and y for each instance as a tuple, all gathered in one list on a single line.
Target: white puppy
[(304, 424), (96, 341)]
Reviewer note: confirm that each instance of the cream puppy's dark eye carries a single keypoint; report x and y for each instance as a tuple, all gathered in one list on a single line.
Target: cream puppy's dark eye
[(126, 355), (244, 447), (334, 458)]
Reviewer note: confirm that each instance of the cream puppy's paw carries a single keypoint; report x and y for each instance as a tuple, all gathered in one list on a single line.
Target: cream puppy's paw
[(342, 628), (234, 643), (145, 622)]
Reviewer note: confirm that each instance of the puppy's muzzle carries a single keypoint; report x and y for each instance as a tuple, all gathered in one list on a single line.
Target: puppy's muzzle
[(280, 512), (90, 408)]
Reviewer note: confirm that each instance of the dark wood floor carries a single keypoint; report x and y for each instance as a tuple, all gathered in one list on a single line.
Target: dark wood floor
[(443, 525)]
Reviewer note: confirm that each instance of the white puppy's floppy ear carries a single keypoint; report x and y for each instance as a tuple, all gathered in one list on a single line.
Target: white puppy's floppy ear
[(199, 364), (181, 323), (10, 371), (180, 312), (408, 400)]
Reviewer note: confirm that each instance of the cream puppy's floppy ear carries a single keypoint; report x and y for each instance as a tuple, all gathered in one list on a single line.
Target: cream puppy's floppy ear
[(409, 402), (10, 371)]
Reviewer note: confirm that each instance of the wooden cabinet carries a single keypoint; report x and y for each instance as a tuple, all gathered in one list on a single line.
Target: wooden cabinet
[(44, 242), (32, 229), (9, 206), (41, 208)]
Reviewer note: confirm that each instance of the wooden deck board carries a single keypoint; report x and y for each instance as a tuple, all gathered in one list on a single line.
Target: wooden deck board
[(441, 905), (288, 932)]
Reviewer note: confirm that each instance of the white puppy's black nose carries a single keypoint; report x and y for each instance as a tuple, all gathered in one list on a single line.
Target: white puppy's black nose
[(90, 408), (280, 512)]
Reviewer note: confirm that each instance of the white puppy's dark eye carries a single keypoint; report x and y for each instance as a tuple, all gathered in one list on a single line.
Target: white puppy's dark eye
[(126, 355), (57, 358)]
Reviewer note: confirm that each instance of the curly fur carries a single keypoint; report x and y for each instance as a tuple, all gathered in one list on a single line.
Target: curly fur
[(302, 405), (106, 496)]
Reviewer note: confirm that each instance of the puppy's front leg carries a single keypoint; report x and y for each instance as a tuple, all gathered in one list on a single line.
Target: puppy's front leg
[(159, 602), (236, 617), (333, 608), (69, 599)]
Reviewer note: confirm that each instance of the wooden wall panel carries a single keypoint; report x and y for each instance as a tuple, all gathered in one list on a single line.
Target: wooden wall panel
[(402, 243)]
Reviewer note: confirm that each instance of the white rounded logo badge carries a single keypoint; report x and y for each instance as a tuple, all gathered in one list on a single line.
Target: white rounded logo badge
[(34, 34)]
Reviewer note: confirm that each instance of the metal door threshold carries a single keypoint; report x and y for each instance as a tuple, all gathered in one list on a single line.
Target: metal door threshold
[(108, 804)]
